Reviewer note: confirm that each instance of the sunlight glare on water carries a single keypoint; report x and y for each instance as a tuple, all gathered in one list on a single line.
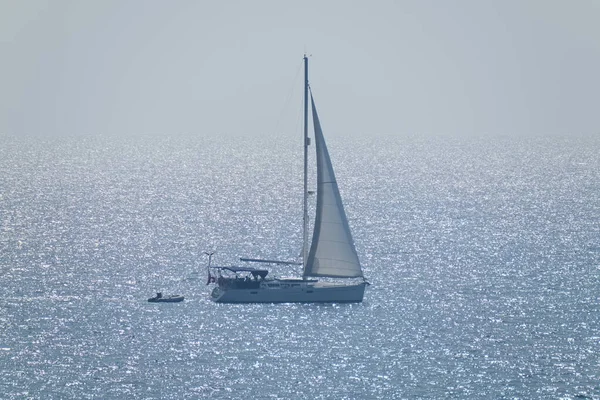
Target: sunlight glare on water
[(483, 256)]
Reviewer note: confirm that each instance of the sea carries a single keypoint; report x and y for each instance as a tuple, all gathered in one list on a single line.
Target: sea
[(483, 255)]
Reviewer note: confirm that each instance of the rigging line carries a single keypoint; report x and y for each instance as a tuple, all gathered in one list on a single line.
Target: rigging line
[(299, 126), (288, 98)]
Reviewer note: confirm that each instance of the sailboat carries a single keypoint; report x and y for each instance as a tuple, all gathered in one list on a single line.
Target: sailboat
[(331, 253)]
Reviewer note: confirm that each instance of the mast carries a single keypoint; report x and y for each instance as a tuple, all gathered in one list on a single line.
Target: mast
[(306, 143)]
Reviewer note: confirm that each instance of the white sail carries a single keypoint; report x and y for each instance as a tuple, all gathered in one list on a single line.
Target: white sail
[(332, 252)]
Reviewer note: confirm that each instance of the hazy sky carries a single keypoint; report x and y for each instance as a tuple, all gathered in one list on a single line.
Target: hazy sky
[(208, 67)]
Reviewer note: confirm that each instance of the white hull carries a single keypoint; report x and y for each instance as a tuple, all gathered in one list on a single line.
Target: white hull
[(282, 292)]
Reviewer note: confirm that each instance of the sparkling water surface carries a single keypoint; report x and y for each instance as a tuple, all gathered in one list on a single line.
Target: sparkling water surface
[(483, 254)]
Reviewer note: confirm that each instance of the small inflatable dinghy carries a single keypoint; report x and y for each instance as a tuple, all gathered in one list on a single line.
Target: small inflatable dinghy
[(159, 298)]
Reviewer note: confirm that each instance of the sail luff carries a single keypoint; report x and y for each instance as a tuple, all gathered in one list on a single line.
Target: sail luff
[(332, 252)]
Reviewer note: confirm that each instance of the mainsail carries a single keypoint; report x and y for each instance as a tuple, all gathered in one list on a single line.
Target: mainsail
[(332, 252)]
